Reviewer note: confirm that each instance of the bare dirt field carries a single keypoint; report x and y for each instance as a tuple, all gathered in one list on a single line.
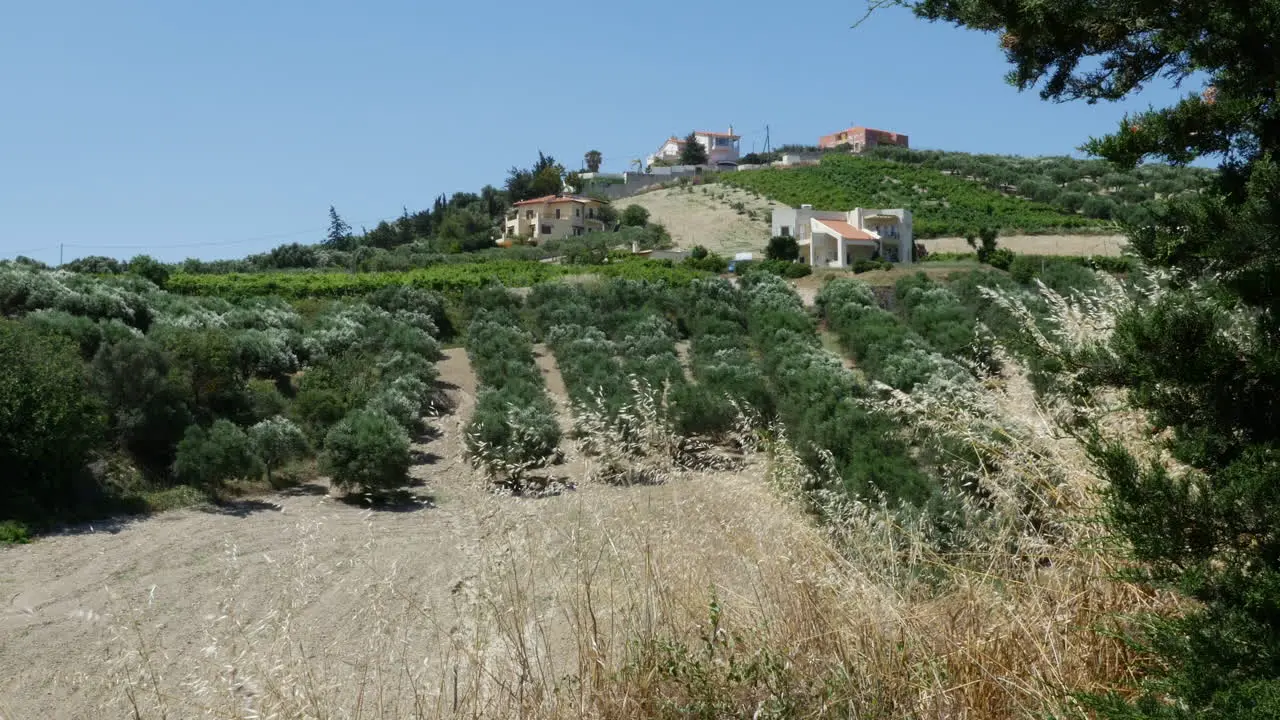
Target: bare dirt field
[(1040, 244), (300, 602)]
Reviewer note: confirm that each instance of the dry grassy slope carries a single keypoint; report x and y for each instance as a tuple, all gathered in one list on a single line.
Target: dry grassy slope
[(704, 215), (476, 579)]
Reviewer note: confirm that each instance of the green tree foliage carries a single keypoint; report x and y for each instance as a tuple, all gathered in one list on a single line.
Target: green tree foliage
[(635, 216), (942, 205), (203, 365), (592, 160), (95, 265), (149, 268), (817, 399), (1097, 189), (1200, 357), (367, 451), (546, 177), (608, 215), (693, 152), (276, 441), (48, 424), (339, 235), (935, 313), (885, 348), (147, 412), (514, 422), (783, 248), (447, 278), (209, 457), (720, 360)]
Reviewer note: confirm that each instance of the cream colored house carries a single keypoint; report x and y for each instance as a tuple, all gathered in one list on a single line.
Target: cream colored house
[(833, 238), (552, 216)]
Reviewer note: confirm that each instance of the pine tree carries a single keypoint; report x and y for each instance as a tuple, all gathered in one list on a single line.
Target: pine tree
[(693, 152), (1203, 358), (339, 236)]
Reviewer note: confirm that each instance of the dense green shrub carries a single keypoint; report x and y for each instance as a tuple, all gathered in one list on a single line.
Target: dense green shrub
[(514, 423), (208, 457), (720, 360), (885, 348), (276, 441), (938, 316), (366, 451), (147, 410), (817, 399), (781, 268), (635, 216), (783, 248), (48, 424)]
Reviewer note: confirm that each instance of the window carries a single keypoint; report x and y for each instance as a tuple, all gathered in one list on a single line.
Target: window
[(546, 229), (785, 231), (577, 212), (591, 212), (528, 214), (577, 231), (557, 213)]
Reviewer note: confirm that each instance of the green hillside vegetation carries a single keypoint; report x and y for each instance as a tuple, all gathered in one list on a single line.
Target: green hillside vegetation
[(943, 205), (1093, 188)]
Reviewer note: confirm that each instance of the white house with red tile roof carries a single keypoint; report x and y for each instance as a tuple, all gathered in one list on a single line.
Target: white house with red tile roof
[(552, 216), (722, 148), (834, 238)]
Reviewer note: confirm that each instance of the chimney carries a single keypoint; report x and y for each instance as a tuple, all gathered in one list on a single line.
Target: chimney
[(806, 206), (730, 128)]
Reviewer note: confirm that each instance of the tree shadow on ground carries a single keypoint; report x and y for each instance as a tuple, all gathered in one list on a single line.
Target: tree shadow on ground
[(395, 501), (240, 508), (304, 490), (535, 486), (423, 457)]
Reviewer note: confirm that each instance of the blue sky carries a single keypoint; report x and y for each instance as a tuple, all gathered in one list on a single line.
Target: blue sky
[(214, 130)]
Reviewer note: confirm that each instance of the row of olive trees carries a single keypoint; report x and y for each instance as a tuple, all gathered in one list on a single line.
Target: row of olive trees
[(818, 400), (607, 339), (729, 380), (199, 391), (514, 425)]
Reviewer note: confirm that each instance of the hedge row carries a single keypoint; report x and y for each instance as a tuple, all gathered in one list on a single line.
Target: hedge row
[(818, 401), (450, 278), (884, 348), (720, 360), (514, 424)]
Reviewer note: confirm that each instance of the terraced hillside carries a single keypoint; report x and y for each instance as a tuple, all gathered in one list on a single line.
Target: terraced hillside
[(944, 205), (1093, 188)]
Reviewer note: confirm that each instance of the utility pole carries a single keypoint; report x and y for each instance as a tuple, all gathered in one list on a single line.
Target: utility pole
[(59, 254), (767, 147)]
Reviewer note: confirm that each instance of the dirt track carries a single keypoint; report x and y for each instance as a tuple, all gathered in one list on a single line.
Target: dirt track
[(477, 572)]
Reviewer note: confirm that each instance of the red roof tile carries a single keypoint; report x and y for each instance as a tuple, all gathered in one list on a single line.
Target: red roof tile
[(846, 231), (555, 199)]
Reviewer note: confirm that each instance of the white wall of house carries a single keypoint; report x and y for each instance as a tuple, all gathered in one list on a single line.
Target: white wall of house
[(892, 226), (895, 235)]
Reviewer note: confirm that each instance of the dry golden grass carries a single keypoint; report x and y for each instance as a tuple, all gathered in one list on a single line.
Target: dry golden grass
[(1040, 244), (712, 594)]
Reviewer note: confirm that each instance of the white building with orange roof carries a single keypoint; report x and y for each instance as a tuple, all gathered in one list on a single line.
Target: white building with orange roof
[(722, 148), (834, 238), (552, 216)]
